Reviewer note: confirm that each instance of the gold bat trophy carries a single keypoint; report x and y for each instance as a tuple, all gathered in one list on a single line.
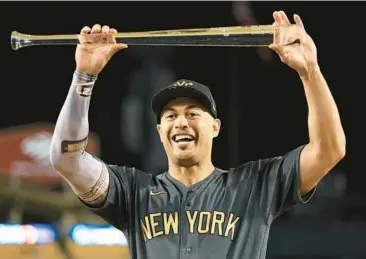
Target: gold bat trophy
[(235, 36)]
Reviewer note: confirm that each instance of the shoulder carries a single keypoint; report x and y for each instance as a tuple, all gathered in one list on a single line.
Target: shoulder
[(264, 165), (253, 167), (123, 170), (132, 175)]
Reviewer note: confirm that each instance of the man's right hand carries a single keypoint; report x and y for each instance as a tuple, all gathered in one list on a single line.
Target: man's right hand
[(96, 48)]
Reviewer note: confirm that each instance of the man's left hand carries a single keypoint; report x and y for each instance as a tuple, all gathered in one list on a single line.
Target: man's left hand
[(302, 55)]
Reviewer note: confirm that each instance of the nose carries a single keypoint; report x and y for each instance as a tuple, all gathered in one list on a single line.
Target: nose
[(181, 122)]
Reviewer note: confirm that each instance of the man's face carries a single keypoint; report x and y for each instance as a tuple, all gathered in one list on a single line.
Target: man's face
[(187, 131)]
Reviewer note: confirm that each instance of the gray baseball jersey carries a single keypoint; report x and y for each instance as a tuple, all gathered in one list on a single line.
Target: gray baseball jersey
[(226, 215)]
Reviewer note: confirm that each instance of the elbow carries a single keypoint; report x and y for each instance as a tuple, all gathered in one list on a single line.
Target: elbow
[(55, 159), (336, 155), (341, 152), (59, 161), (55, 153), (331, 154), (53, 156), (338, 149), (65, 162), (66, 166)]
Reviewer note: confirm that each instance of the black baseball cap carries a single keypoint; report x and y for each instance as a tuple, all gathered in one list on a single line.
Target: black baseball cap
[(183, 88)]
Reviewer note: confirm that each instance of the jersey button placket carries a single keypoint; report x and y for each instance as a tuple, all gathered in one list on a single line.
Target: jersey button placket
[(189, 197), (190, 253), (184, 232)]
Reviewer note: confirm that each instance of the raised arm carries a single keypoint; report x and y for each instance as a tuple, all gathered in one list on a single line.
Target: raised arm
[(327, 140), (86, 175)]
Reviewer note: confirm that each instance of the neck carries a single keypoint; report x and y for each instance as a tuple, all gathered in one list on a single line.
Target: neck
[(189, 175)]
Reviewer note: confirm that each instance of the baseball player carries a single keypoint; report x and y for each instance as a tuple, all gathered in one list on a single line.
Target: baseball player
[(194, 209)]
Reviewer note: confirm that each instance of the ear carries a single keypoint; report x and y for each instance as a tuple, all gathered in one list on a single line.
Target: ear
[(216, 127), (158, 127)]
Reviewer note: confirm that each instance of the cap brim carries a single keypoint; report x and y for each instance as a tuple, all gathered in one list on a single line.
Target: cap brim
[(163, 97)]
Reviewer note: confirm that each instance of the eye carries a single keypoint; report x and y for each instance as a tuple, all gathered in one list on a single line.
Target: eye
[(192, 114), (170, 116)]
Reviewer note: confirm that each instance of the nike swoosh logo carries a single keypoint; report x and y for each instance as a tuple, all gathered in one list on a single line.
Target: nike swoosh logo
[(156, 193)]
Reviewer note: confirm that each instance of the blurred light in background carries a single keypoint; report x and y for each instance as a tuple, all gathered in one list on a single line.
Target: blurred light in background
[(37, 234), (93, 235)]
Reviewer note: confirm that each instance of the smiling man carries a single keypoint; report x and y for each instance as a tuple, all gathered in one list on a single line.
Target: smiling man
[(194, 209), (187, 124)]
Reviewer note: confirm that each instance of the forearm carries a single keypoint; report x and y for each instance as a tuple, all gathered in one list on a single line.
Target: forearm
[(67, 152), (325, 129)]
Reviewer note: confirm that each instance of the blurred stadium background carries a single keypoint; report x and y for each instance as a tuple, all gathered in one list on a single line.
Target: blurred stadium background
[(260, 102)]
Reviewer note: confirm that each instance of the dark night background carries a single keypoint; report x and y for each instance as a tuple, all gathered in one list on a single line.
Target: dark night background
[(261, 104)]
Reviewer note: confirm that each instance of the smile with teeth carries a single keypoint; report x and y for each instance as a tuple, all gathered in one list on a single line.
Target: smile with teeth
[(182, 138)]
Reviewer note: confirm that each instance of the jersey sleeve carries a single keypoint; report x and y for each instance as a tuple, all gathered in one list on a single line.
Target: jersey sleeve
[(115, 210), (280, 183)]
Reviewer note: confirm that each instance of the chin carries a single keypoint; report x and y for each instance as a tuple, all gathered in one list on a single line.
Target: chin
[(185, 160)]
